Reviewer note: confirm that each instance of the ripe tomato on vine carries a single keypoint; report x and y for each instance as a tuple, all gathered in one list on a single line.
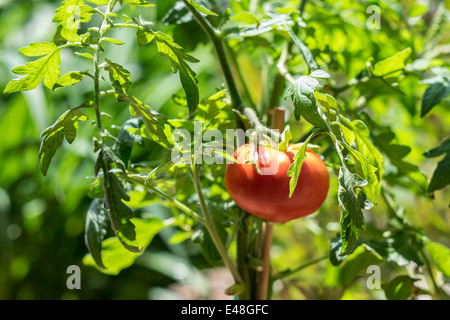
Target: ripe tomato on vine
[(266, 193)]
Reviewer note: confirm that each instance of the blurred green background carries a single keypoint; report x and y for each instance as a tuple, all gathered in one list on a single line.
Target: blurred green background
[(42, 218)]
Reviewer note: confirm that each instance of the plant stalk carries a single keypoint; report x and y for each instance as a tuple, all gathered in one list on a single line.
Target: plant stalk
[(215, 37), (246, 92), (209, 224), (181, 206), (96, 77), (97, 93), (290, 272), (242, 246)]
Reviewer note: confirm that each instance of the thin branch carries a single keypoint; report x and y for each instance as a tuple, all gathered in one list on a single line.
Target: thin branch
[(291, 272), (176, 203), (301, 7), (212, 229), (235, 62), (215, 37)]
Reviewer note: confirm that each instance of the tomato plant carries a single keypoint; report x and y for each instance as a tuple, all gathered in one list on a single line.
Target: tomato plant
[(207, 128)]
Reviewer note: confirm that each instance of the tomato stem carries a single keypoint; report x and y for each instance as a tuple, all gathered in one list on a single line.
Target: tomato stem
[(242, 246)]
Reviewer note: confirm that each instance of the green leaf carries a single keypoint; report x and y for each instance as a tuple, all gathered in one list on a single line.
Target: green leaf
[(384, 139), (440, 255), (92, 37), (120, 214), (179, 237), (353, 201), (336, 248), (400, 288), (217, 98), (210, 110), (85, 55), (355, 267), (115, 257), (178, 58), (155, 123), (66, 126), (118, 75), (304, 100), (327, 101), (46, 68), (112, 40), (396, 248), (296, 166), (306, 53), (69, 16), (334, 252), (126, 19), (38, 49), (441, 175), (262, 26), (434, 94), (201, 8), (178, 14), (126, 140), (393, 65), (397, 170), (95, 189), (319, 74), (369, 159), (99, 2), (144, 37), (286, 137), (245, 17), (140, 3), (366, 171), (72, 10), (68, 79), (346, 134), (110, 155), (215, 149), (95, 230)]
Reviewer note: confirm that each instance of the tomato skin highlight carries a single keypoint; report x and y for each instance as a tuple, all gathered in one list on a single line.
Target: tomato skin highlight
[(266, 195)]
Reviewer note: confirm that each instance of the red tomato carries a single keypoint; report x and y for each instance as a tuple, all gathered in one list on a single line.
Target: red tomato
[(266, 195)]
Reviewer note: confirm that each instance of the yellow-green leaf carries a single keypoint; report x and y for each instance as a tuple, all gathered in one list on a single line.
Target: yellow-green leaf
[(45, 68), (440, 255), (201, 8), (392, 66), (69, 79)]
